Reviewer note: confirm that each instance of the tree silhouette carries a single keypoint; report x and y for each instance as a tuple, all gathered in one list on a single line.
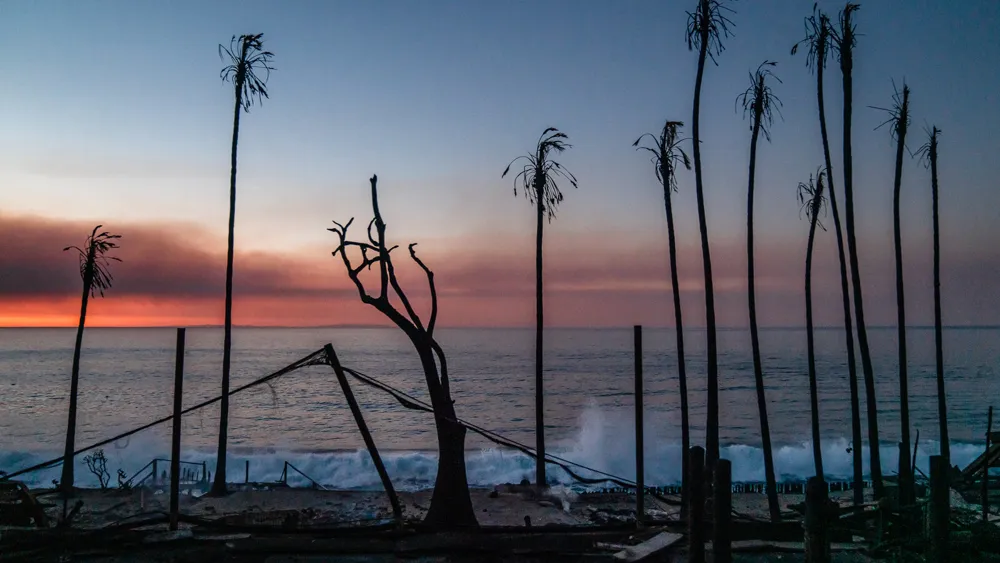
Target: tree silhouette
[(843, 42), (248, 69), (818, 41), (96, 274), (706, 27), (538, 182), (812, 202), (451, 504), (760, 102), (899, 122), (929, 154), (667, 156)]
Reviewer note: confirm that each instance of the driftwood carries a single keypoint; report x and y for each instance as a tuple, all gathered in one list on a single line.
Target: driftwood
[(652, 546)]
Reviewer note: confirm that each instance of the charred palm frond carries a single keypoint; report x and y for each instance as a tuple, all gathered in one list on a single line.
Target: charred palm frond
[(667, 153), (898, 118), (844, 37), (817, 39), (248, 69), (709, 25), (95, 262), (812, 202), (927, 152), (759, 100), (538, 178)]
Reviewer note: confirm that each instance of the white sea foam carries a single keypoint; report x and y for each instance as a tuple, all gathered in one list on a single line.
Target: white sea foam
[(604, 441)]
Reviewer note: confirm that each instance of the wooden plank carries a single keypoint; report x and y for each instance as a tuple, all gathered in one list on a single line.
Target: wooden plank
[(788, 546), (650, 547)]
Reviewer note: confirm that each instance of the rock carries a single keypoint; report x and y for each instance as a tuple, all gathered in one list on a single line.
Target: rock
[(494, 494), (546, 503), (525, 483)]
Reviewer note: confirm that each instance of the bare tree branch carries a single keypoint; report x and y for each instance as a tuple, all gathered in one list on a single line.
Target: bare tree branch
[(433, 289)]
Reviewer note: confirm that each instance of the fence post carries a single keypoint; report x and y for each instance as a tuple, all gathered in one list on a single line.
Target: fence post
[(246, 478), (722, 546), (397, 510), (175, 442), (986, 468), (817, 541), (156, 476), (640, 473), (940, 509), (696, 512)]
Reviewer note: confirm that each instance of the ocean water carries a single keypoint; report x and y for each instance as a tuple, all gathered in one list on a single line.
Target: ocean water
[(127, 380)]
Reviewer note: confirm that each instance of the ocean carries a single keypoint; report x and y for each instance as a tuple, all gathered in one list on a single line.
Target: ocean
[(126, 379)]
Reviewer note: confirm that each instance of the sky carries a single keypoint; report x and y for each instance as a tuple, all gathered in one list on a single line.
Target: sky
[(114, 113)]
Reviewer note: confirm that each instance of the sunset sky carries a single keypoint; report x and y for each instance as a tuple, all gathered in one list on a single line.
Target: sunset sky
[(113, 112)]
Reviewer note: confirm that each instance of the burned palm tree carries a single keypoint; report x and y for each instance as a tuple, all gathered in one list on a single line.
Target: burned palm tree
[(706, 28), (929, 155), (667, 156), (812, 202), (844, 39), (899, 122), (95, 271), (761, 104), (451, 505), (537, 180), (818, 29), (248, 69)]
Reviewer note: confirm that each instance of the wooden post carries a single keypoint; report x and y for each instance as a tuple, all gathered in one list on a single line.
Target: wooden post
[(640, 477), (696, 512), (814, 524), (365, 434), (986, 468), (204, 474), (246, 478), (156, 476), (940, 509), (175, 442), (722, 546)]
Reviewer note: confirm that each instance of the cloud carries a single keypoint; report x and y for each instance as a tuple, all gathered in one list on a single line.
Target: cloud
[(174, 274)]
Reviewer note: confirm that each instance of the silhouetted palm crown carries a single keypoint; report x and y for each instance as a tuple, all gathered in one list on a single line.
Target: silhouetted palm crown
[(540, 173)]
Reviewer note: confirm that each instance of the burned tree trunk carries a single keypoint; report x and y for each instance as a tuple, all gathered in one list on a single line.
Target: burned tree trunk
[(451, 505)]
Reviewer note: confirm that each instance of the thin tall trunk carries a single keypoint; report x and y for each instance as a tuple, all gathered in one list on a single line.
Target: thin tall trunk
[(539, 405), (852, 370), (712, 408), (905, 473), (758, 371), (679, 328), (875, 459), (813, 390), (66, 480), (219, 484), (938, 346)]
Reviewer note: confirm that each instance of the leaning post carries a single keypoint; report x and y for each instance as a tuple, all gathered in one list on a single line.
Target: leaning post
[(175, 442), (397, 510)]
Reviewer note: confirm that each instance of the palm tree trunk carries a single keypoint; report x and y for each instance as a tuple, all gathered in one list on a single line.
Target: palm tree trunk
[(852, 370), (938, 346), (813, 388), (539, 395), (219, 484), (906, 493), (712, 408), (679, 328), (66, 480), (758, 371), (875, 459)]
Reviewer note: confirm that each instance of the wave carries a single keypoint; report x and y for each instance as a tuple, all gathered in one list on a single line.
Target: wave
[(603, 442)]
